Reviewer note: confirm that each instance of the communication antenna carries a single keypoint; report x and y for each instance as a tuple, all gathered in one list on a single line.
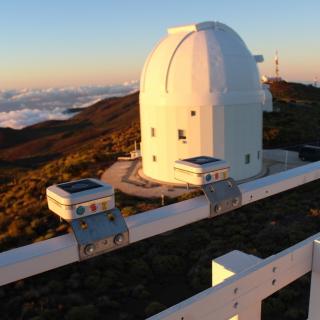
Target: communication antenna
[(276, 60), (315, 82)]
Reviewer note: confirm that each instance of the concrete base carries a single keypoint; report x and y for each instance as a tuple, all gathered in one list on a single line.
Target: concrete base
[(127, 176)]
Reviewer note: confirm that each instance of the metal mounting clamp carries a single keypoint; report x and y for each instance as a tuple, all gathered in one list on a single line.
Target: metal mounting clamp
[(100, 233), (224, 196)]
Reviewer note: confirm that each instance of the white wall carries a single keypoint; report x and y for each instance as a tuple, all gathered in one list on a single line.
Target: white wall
[(226, 132), (243, 135), (165, 145)]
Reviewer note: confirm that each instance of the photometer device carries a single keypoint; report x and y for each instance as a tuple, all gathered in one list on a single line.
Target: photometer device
[(201, 170), (88, 206), (212, 176)]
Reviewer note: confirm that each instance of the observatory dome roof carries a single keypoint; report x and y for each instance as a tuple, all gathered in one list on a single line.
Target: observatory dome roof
[(208, 58)]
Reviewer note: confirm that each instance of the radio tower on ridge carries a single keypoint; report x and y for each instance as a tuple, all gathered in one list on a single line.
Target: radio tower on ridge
[(276, 60)]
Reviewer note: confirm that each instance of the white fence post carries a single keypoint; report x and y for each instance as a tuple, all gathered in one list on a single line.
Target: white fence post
[(314, 300), (231, 264)]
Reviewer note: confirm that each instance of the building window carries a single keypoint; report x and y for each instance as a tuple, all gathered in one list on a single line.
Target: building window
[(193, 113), (258, 154), (182, 134), (247, 158), (153, 132), (154, 158)]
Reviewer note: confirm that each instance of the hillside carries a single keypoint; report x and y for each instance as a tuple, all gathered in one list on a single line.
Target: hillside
[(296, 119), (295, 91), (48, 140)]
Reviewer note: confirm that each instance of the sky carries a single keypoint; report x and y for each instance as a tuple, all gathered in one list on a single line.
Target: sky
[(65, 43)]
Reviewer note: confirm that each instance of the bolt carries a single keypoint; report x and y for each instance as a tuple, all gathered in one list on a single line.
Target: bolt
[(110, 216), (274, 282), (235, 202), (217, 208), (274, 269), (83, 225), (236, 305), (118, 239), (89, 249), (235, 291)]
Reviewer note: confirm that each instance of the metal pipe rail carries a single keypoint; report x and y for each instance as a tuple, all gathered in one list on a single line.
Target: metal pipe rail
[(39, 257)]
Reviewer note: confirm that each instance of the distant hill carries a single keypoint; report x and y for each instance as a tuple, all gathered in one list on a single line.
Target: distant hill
[(48, 139), (294, 91)]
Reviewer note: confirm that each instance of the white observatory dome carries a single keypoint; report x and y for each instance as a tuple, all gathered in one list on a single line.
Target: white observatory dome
[(200, 94)]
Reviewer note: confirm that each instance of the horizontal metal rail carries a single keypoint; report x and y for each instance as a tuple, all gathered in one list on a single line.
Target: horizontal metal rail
[(46, 255), (246, 288), (37, 257)]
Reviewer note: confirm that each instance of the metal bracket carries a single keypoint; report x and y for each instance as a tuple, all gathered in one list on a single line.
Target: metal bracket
[(100, 233), (224, 196)]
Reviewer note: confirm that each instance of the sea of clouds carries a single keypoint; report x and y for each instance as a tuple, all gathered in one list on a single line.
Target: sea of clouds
[(24, 107)]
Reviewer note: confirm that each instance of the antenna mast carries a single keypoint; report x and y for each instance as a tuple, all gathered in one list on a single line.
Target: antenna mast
[(276, 60)]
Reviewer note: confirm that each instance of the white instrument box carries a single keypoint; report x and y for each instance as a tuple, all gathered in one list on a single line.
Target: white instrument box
[(201, 170), (81, 198)]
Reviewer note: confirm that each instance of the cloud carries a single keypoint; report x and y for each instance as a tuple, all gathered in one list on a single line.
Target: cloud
[(24, 107), (19, 119)]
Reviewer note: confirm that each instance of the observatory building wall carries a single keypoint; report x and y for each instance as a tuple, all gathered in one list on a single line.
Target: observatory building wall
[(200, 94)]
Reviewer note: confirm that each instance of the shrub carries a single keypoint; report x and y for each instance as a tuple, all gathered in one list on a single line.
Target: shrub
[(153, 308), (83, 312)]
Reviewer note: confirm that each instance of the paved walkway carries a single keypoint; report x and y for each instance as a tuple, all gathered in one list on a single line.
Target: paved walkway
[(124, 175), (127, 176)]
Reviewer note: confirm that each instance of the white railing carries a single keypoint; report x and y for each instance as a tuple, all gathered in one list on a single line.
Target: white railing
[(241, 294), (218, 302)]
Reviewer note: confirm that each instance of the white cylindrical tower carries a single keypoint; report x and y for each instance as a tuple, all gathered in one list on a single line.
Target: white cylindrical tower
[(200, 94)]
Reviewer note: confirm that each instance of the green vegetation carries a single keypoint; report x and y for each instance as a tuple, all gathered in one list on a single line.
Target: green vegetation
[(24, 213), (291, 125), (296, 119), (144, 278)]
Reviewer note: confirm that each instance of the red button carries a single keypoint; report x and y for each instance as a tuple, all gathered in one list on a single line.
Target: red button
[(216, 176), (93, 207)]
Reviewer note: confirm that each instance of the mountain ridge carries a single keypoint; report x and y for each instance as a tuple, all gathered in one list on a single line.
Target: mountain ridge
[(56, 137)]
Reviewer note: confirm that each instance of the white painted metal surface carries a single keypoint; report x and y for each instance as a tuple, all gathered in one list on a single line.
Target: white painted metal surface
[(252, 286), (271, 185), (314, 308), (201, 79), (230, 264), (151, 223), (40, 257)]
